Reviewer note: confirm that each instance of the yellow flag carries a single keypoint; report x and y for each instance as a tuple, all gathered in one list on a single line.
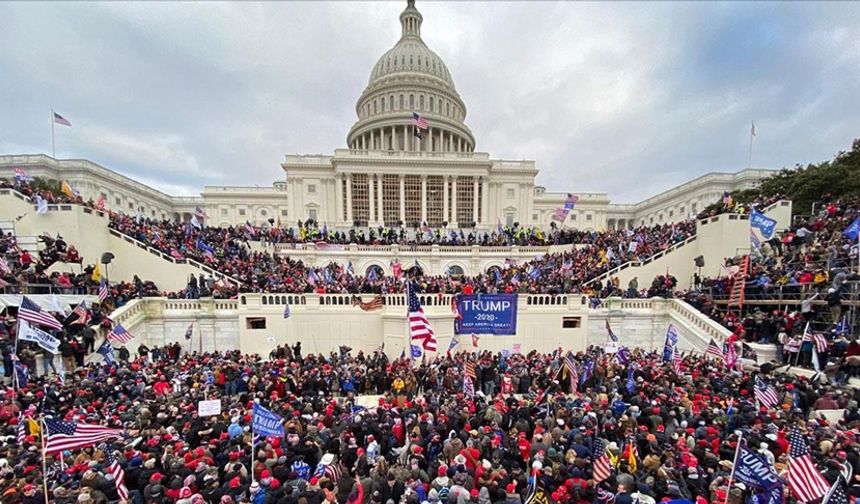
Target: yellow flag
[(67, 189), (34, 426), (97, 274)]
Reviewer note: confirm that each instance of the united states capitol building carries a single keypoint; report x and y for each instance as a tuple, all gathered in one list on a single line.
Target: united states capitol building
[(392, 173)]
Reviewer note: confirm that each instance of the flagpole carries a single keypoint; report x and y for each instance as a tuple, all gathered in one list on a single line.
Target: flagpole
[(734, 465), (53, 149), (752, 134), (43, 435), (252, 447)]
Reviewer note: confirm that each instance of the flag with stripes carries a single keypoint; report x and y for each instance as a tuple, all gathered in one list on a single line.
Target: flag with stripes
[(419, 327), (804, 478), (731, 355), (765, 393), (70, 435), (836, 494), (190, 330), (4, 266), (116, 471), (21, 175), (714, 350), (31, 312), (104, 293), (22, 429), (676, 361), (572, 373), (792, 345), (83, 314), (601, 467), (419, 121), (61, 120), (120, 335), (469, 387), (469, 370)]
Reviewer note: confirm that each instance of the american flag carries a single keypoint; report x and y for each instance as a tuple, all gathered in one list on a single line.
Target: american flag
[(469, 370), (469, 387), (104, 293), (731, 356), (676, 361), (804, 479), (120, 335), (100, 202), (31, 312), (70, 435), (765, 393), (117, 472), (4, 266), (817, 339), (22, 175), (22, 429), (836, 494), (572, 373), (200, 213), (83, 314), (601, 467), (419, 121), (61, 120), (714, 350), (419, 326)]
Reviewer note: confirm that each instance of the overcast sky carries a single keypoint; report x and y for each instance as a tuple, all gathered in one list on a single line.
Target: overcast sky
[(627, 98)]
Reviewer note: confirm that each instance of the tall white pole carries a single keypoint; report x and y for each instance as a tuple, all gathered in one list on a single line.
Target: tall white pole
[(752, 134), (53, 149)]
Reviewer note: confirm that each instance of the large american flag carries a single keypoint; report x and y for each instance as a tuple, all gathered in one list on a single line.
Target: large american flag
[(104, 293), (69, 435), (601, 467), (676, 361), (469, 370), (31, 312), (714, 350), (120, 335), (117, 472), (572, 373), (419, 326), (817, 339), (765, 393), (419, 121), (804, 479), (83, 314), (61, 120)]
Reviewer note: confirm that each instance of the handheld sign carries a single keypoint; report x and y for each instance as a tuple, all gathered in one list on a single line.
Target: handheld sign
[(209, 408)]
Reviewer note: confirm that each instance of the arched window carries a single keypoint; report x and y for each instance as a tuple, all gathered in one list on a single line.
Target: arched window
[(400, 102), (455, 270), (411, 102), (375, 106), (374, 267), (383, 104), (447, 109), (431, 105), (391, 102), (411, 61), (421, 102)]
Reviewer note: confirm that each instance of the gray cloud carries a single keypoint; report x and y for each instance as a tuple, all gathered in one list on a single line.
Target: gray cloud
[(624, 98)]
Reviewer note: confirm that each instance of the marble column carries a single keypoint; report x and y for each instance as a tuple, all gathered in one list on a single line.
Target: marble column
[(380, 215), (475, 199), (454, 218), (349, 198), (423, 198), (485, 207), (371, 200), (338, 197), (402, 198)]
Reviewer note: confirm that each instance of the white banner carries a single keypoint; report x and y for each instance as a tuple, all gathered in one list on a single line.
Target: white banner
[(610, 347), (43, 339), (211, 407)]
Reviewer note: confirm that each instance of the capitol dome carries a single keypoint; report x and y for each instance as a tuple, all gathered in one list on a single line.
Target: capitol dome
[(410, 79)]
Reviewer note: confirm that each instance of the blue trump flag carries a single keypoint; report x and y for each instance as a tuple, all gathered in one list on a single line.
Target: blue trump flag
[(763, 223), (266, 423), (853, 230), (671, 341), (416, 351), (754, 471), (106, 350), (207, 249)]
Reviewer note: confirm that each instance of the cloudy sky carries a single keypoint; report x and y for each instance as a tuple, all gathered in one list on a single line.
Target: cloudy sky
[(628, 98)]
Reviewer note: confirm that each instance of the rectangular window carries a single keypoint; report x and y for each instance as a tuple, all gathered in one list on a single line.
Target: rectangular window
[(572, 216), (671, 213), (118, 201), (509, 193), (283, 212), (509, 219), (223, 212), (390, 199), (130, 205), (312, 214), (588, 217), (312, 188), (412, 189), (571, 322), (465, 193), (535, 217), (255, 323), (360, 195), (241, 212), (434, 201)]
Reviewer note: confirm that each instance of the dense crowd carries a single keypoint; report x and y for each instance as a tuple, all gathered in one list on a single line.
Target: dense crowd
[(667, 434)]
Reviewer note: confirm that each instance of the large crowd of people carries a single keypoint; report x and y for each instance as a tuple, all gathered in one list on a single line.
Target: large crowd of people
[(667, 432)]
